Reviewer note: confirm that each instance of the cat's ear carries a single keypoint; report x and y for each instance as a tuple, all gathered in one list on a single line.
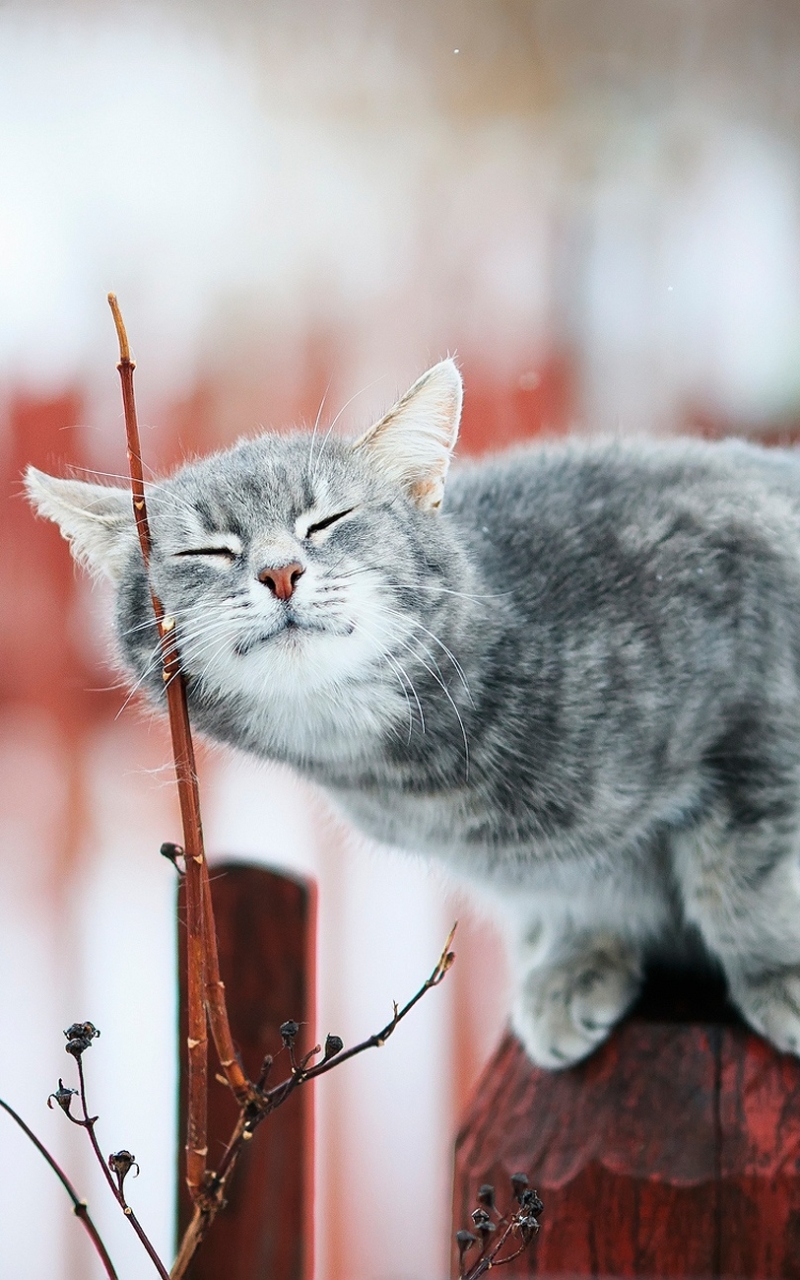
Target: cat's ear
[(413, 442), (97, 520)]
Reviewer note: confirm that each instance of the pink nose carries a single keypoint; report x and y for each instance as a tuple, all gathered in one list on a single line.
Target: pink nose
[(282, 581)]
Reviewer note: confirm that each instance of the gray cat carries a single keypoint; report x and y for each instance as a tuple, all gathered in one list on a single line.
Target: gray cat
[(578, 684)]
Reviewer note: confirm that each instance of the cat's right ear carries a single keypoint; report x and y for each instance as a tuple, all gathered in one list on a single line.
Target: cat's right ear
[(96, 520), (413, 442)]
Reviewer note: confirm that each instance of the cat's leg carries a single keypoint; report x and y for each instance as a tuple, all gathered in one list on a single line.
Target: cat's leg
[(741, 887), (572, 989)]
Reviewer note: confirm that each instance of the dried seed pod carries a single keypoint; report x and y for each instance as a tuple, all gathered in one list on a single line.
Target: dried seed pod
[(530, 1202), (79, 1037), (528, 1226), (63, 1096), (333, 1045), (121, 1163), (289, 1032), (486, 1196), (519, 1181), (172, 852), (465, 1240)]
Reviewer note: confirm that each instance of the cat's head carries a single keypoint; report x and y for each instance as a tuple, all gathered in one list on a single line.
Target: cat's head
[(287, 557)]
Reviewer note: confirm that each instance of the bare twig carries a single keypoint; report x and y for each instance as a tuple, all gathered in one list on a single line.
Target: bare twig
[(183, 751), (79, 1207), (77, 1044), (443, 964), (206, 991), (183, 748), (269, 1100), (523, 1225)]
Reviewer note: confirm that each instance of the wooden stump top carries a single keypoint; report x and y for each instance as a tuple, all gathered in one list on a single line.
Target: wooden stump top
[(674, 1151)]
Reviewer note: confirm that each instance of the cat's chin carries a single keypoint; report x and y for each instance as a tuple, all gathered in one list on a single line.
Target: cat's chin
[(291, 633), (251, 644)]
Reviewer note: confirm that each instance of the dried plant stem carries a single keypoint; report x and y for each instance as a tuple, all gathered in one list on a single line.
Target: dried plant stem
[(79, 1207), (491, 1260), (88, 1123), (443, 964), (268, 1101), (206, 992), (241, 1087), (522, 1225), (186, 772)]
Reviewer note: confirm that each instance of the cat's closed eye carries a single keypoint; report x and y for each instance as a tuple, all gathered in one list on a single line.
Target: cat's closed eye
[(319, 525), (225, 553)]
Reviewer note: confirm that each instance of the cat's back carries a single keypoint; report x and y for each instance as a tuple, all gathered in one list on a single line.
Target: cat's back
[(584, 479), (596, 542), (583, 499)]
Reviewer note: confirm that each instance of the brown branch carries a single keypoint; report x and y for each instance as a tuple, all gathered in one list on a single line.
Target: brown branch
[(206, 992), (266, 1102), (444, 963), (88, 1124), (243, 1090), (79, 1207), (489, 1259), (523, 1224)]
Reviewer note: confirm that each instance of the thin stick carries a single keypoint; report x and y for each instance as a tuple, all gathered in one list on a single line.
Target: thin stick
[(490, 1259), (185, 767), (88, 1124), (523, 1223), (205, 987), (243, 1090), (186, 772), (444, 963), (251, 1117), (79, 1207)]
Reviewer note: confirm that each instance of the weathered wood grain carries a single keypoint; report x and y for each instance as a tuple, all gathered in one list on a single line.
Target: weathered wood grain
[(674, 1151)]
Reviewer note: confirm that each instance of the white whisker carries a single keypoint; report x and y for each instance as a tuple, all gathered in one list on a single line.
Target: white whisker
[(346, 405), (309, 472)]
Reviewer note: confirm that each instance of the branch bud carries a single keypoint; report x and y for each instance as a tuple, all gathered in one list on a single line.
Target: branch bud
[(486, 1196), (172, 852), (465, 1240), (333, 1045), (120, 1163), (530, 1202), (79, 1037), (63, 1096), (529, 1227)]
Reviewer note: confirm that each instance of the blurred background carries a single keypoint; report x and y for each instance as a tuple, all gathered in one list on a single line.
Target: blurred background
[(595, 204)]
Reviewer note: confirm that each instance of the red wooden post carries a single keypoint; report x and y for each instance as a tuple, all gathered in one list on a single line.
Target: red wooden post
[(265, 926), (674, 1151)]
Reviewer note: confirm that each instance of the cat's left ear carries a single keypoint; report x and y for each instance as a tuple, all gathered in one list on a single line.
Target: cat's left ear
[(96, 519), (413, 442)]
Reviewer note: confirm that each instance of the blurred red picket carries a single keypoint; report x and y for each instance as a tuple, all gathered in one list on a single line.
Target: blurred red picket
[(266, 933)]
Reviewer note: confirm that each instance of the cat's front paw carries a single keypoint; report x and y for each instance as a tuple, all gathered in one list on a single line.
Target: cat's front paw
[(564, 1012), (771, 1004)]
